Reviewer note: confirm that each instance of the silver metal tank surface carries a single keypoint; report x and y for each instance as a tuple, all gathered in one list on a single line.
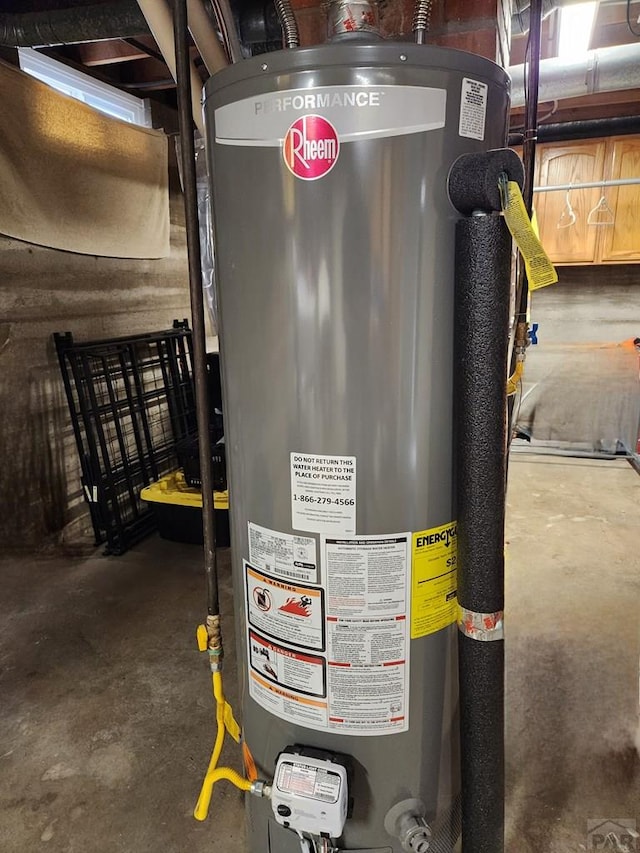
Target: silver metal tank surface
[(335, 254)]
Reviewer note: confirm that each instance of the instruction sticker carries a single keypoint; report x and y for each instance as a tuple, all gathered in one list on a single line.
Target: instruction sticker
[(367, 576), (434, 585), (342, 668), (287, 612), (323, 494), (540, 271), (367, 633), (282, 554), (473, 109), (288, 704), (287, 668)]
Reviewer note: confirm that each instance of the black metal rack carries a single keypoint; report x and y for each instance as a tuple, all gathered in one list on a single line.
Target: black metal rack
[(131, 400)]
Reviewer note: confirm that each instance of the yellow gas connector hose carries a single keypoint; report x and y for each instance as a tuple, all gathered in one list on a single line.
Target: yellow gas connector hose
[(515, 379), (202, 806), (214, 773)]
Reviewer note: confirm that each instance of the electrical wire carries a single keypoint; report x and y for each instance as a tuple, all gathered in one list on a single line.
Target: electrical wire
[(633, 31), (305, 843)]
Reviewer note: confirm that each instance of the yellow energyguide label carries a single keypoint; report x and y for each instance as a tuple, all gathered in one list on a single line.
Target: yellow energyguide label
[(540, 271), (434, 579)]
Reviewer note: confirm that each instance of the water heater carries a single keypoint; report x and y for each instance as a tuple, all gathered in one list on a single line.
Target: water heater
[(334, 235)]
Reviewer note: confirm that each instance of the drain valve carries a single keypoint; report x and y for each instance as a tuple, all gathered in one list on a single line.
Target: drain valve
[(406, 821)]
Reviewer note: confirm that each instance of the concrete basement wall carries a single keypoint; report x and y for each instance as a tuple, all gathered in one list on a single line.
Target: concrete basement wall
[(44, 291)]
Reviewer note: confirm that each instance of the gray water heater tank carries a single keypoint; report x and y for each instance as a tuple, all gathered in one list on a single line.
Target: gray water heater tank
[(334, 242)]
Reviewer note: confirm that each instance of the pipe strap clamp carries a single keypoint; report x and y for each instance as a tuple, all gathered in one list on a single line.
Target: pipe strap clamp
[(481, 626)]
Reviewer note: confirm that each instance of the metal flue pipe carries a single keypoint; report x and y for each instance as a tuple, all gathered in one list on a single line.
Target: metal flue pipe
[(610, 69)]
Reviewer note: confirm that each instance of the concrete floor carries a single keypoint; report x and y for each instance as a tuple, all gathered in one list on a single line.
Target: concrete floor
[(106, 713)]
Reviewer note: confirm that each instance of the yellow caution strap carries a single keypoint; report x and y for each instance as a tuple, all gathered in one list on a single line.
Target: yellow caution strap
[(534, 223), (540, 271), (230, 723)]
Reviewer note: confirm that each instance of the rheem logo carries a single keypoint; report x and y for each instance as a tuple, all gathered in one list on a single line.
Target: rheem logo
[(311, 147)]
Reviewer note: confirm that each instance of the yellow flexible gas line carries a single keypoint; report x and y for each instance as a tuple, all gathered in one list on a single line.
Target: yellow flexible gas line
[(214, 773), (515, 378), (202, 806), (219, 741)]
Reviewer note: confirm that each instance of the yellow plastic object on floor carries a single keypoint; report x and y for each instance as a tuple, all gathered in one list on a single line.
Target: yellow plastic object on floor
[(173, 489)]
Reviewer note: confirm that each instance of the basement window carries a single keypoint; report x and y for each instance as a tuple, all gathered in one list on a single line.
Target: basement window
[(102, 97), (576, 27)]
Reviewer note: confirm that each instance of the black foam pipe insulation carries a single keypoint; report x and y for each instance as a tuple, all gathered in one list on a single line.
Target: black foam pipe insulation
[(473, 182), (73, 24), (482, 286), (586, 129)]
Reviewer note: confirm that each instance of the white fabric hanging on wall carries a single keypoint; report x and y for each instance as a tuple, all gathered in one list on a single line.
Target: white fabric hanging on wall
[(72, 178)]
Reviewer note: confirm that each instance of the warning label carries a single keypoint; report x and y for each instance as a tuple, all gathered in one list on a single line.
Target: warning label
[(473, 109), (345, 670), (367, 633), (540, 271), (287, 668), (294, 614), (282, 554), (323, 494), (434, 580), (286, 704)]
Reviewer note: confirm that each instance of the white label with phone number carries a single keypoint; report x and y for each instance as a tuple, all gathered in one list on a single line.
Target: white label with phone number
[(323, 494)]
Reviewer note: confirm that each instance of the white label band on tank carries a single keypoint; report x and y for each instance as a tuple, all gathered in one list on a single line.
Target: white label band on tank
[(356, 112), (323, 494)]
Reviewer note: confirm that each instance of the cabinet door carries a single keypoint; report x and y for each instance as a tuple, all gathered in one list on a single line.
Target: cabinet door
[(569, 163), (621, 242)]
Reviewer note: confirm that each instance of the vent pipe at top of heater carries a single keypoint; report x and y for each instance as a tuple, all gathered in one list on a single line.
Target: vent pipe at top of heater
[(349, 18)]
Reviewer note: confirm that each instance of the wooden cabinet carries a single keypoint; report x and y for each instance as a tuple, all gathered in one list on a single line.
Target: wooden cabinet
[(562, 215), (610, 238), (621, 243)]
